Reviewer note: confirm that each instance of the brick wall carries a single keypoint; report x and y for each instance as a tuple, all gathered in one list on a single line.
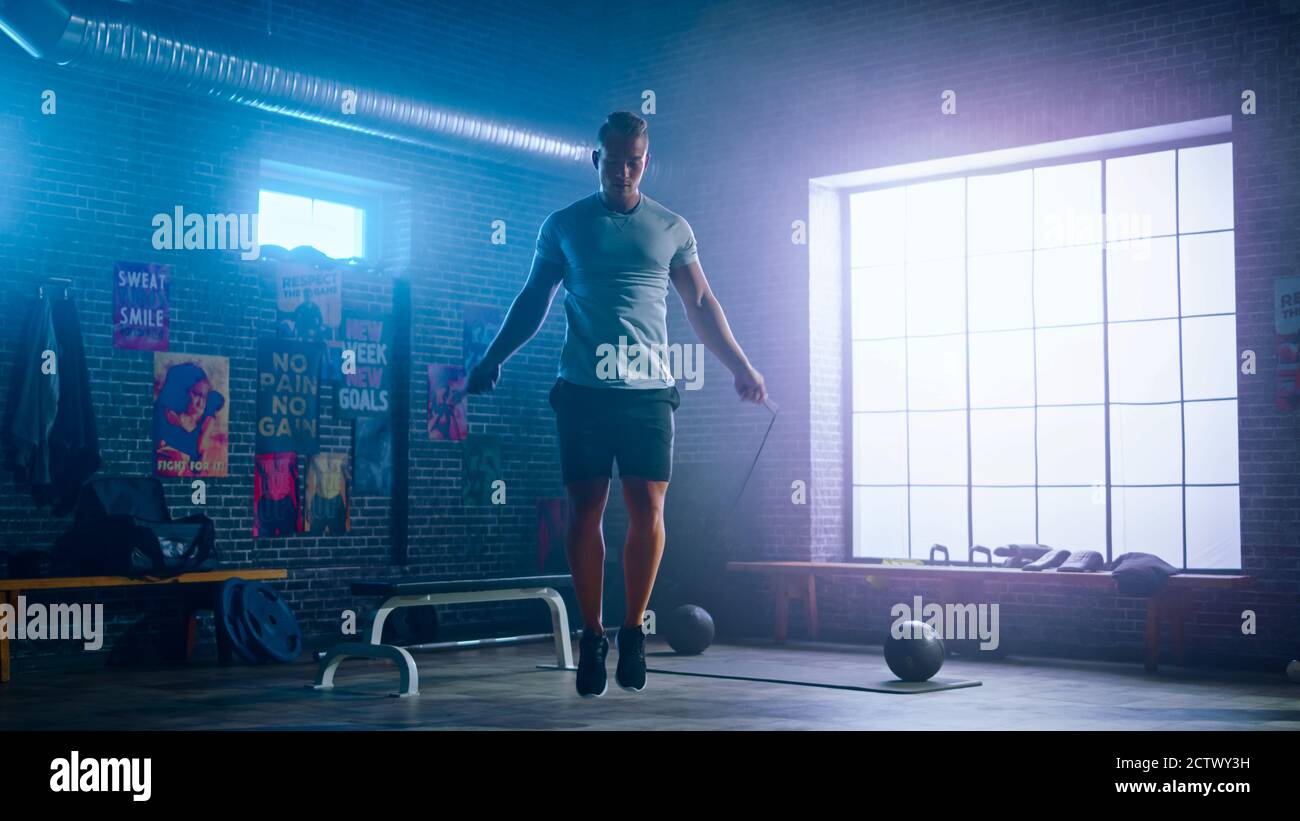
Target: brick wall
[(753, 99), (78, 190)]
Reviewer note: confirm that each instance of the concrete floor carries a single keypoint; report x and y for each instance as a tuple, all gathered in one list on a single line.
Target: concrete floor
[(501, 688)]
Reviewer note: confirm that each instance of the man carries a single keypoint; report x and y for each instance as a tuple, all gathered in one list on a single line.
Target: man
[(308, 321), (615, 252)]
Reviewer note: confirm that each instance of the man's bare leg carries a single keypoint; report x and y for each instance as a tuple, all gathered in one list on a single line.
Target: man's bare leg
[(584, 543), (644, 547)]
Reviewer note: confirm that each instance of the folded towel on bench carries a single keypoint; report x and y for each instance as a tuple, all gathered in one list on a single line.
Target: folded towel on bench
[(1141, 574)]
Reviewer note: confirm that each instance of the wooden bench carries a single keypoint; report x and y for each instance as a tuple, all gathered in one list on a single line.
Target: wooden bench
[(964, 584), (419, 592), (200, 594)]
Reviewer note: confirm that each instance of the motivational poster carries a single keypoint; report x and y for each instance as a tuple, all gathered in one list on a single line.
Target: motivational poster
[(328, 505), (447, 403), (276, 510), (141, 306), (309, 308), (481, 467), (367, 381), (372, 454), (308, 301), (288, 393), (480, 328), (191, 414)]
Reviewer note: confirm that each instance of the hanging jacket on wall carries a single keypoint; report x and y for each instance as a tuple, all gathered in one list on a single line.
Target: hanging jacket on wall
[(68, 453), (74, 440), (33, 397)]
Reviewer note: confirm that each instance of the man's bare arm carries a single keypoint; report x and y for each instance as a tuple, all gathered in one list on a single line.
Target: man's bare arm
[(524, 319), (704, 312)]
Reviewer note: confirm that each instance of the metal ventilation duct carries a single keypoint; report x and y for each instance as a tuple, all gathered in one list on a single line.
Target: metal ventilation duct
[(123, 40)]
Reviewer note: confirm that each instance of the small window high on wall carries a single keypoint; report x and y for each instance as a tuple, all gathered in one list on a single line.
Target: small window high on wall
[(290, 220), (1047, 353)]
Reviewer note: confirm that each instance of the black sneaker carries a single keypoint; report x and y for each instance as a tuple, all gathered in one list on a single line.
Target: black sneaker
[(630, 674), (592, 649)]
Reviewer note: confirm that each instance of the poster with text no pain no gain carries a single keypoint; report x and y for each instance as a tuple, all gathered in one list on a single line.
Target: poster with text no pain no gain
[(288, 389), (191, 414)]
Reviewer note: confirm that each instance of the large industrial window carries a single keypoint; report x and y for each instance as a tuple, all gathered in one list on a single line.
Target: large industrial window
[(1048, 355)]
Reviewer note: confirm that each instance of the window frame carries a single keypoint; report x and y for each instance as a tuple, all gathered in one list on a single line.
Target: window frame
[(1136, 147), (367, 196)]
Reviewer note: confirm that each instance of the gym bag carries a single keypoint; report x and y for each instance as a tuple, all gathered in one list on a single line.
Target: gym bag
[(122, 527)]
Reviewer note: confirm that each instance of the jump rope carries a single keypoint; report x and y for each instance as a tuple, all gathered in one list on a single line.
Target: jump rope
[(773, 408)]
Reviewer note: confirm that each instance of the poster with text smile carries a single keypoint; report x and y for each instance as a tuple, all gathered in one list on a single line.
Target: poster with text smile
[(141, 306)]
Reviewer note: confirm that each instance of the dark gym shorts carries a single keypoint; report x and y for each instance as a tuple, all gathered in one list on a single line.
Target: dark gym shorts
[(599, 426)]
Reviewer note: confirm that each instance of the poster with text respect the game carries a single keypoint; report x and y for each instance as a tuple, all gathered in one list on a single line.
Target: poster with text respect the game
[(309, 308), (308, 301)]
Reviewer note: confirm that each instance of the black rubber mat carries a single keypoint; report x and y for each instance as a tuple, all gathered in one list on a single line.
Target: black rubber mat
[(869, 678), (864, 672)]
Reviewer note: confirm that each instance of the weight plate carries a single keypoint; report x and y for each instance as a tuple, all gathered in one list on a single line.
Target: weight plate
[(273, 630), (229, 620)]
